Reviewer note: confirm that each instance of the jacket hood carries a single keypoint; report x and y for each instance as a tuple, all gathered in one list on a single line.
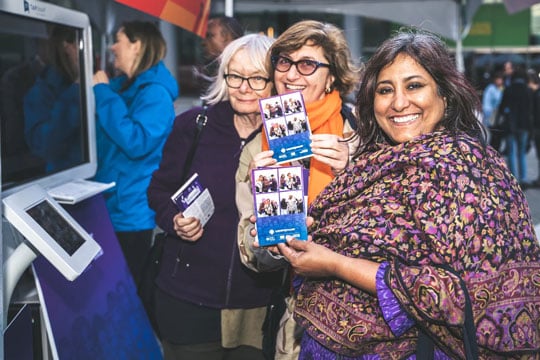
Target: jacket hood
[(157, 74)]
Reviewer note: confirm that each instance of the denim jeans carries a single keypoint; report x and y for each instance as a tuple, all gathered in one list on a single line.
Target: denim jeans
[(517, 154)]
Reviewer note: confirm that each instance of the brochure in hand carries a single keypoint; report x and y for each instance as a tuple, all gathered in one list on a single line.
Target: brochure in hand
[(280, 199), (287, 126), (193, 199)]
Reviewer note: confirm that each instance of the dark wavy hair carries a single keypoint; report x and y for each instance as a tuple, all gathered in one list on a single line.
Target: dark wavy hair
[(463, 103)]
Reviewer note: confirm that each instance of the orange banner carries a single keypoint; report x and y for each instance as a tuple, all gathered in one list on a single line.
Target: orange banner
[(191, 15)]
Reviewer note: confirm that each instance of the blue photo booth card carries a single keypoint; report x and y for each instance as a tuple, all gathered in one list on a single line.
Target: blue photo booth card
[(280, 203), (287, 127)]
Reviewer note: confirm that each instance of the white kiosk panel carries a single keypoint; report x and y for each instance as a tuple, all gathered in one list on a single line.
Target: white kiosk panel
[(51, 230)]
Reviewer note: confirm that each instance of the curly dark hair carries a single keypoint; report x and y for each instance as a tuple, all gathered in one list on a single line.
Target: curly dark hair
[(463, 103)]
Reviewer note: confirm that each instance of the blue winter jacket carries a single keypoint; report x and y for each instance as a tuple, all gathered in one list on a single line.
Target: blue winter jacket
[(131, 128)]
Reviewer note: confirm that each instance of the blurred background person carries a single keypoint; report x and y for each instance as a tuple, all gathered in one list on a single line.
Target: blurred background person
[(534, 85), (221, 30), (516, 105), (491, 98), (134, 116), (208, 305), (508, 71)]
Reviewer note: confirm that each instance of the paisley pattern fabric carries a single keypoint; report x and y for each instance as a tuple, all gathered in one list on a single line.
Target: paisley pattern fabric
[(436, 201)]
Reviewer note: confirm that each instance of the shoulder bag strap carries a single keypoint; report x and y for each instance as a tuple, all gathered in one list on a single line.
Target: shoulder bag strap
[(201, 121)]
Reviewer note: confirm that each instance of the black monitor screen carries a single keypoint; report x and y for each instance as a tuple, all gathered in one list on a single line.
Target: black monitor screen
[(56, 226), (41, 99)]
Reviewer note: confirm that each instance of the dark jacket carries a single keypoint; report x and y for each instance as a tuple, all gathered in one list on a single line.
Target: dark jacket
[(517, 103), (209, 271), (536, 109)]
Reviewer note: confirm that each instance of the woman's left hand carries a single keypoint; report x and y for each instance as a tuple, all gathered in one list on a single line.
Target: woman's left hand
[(308, 258), (331, 150)]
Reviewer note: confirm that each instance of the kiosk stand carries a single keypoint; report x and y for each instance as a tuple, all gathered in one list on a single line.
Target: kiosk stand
[(90, 306), (51, 231)]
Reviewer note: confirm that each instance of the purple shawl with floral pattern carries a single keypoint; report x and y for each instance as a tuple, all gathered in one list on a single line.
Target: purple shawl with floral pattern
[(438, 200)]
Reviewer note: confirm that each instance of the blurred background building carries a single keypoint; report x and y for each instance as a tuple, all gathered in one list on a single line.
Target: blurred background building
[(496, 30)]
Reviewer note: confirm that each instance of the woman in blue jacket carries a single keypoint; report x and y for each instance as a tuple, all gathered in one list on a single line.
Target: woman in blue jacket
[(134, 116)]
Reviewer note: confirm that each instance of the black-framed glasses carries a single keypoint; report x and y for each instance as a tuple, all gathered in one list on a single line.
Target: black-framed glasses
[(304, 67), (254, 82)]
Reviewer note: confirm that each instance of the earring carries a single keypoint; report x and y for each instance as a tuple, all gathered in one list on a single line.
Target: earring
[(328, 90)]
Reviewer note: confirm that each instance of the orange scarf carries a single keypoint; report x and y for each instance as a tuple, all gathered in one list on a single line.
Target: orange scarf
[(324, 118)]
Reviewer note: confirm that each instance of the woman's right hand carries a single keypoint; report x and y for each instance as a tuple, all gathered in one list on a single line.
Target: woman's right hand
[(189, 229), (100, 77), (262, 159)]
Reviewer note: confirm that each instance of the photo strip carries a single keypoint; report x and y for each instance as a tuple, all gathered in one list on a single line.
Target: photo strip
[(287, 127), (280, 203)]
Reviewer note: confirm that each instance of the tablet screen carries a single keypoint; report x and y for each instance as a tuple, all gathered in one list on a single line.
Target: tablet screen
[(56, 226)]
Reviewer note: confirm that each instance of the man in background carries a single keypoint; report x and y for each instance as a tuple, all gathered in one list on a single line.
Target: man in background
[(220, 32)]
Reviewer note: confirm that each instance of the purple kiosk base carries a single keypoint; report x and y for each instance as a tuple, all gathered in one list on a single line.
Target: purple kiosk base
[(99, 315)]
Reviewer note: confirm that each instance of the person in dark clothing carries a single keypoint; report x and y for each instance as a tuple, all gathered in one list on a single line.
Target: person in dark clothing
[(208, 305), (516, 105), (534, 85)]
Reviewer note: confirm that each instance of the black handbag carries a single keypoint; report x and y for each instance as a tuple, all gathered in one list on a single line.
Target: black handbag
[(146, 287)]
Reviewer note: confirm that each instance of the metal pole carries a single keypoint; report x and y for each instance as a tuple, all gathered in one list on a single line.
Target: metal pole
[(229, 8)]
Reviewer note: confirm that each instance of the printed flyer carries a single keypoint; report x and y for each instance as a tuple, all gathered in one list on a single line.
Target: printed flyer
[(193, 199)]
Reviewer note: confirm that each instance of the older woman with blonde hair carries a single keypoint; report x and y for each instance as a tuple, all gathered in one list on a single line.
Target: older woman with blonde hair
[(208, 305)]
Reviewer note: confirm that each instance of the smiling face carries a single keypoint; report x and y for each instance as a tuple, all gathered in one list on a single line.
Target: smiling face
[(312, 86), (245, 100), (406, 102)]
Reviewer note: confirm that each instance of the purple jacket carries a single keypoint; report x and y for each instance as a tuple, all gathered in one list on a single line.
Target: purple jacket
[(209, 271)]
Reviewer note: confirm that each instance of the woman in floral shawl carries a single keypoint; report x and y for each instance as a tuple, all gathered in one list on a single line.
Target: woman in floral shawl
[(426, 239)]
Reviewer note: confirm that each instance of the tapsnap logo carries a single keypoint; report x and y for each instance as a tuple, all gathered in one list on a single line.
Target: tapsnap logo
[(32, 6)]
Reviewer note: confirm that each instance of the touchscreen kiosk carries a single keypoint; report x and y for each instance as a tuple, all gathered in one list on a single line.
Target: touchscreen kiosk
[(51, 231)]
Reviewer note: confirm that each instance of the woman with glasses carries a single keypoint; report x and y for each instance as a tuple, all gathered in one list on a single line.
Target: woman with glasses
[(208, 305), (312, 57)]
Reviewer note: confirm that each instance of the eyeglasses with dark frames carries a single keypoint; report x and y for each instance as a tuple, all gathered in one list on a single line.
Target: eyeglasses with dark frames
[(255, 82), (304, 67)]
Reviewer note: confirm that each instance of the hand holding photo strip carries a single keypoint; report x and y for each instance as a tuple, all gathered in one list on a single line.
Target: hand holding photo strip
[(287, 126), (280, 203)]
